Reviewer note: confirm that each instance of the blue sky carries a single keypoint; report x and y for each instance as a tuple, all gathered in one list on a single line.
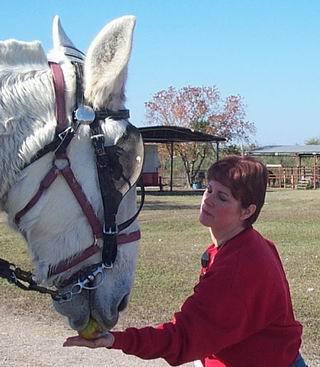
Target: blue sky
[(266, 51)]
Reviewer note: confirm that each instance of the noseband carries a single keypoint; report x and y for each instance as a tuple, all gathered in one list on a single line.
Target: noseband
[(110, 173)]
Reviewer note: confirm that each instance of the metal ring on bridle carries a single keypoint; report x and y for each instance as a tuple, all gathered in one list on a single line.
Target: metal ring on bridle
[(84, 115), (84, 282)]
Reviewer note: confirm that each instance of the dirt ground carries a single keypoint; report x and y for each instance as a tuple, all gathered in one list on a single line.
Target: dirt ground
[(36, 341)]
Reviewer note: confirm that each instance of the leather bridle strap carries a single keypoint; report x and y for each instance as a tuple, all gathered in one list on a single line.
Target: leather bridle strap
[(44, 184), (76, 188), (105, 170), (59, 88), (84, 203), (67, 264), (108, 170)]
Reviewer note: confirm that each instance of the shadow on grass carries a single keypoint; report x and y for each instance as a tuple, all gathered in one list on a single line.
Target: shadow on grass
[(159, 205), (153, 204), (174, 193)]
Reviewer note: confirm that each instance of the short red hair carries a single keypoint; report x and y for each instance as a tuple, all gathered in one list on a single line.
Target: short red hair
[(246, 178)]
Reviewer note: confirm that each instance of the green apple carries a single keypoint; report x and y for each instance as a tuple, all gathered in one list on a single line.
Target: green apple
[(91, 331)]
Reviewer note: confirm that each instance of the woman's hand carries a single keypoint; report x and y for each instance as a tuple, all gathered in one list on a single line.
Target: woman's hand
[(104, 341)]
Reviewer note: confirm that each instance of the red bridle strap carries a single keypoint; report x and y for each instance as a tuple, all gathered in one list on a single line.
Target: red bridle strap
[(75, 187), (66, 172), (59, 88), (44, 184), (84, 203), (122, 239)]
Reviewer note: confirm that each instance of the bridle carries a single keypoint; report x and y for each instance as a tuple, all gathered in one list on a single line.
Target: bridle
[(113, 186)]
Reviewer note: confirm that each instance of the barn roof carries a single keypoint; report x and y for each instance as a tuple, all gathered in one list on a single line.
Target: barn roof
[(293, 150), (176, 134)]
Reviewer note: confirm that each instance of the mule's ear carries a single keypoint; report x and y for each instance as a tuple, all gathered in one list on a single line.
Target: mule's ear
[(62, 42), (106, 64)]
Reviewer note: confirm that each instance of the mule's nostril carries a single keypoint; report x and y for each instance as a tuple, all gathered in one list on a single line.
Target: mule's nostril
[(123, 303)]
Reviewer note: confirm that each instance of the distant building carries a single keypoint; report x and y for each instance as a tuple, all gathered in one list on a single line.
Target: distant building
[(297, 176), (151, 165)]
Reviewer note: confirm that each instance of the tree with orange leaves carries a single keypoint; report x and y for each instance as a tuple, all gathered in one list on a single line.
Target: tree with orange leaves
[(202, 109)]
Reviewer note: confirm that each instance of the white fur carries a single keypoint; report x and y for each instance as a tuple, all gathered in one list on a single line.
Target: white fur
[(107, 59), (24, 77), (55, 228)]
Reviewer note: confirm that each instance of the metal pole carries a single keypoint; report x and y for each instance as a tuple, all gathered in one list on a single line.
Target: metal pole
[(171, 165), (217, 154)]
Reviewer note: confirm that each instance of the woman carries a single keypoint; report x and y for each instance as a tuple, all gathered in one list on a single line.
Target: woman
[(240, 313)]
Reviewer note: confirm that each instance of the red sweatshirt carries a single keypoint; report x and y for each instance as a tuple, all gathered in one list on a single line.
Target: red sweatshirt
[(240, 314)]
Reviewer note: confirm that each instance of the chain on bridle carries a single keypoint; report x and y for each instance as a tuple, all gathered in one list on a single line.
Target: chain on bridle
[(115, 176)]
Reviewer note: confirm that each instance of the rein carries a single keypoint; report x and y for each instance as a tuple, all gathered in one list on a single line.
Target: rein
[(108, 166)]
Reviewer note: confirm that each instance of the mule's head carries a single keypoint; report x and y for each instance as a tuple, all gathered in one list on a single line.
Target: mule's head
[(56, 228)]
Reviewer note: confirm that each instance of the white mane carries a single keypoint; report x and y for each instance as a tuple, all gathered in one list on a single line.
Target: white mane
[(27, 122), (19, 55)]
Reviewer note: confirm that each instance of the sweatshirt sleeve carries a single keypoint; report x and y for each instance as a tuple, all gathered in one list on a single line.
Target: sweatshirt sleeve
[(210, 320)]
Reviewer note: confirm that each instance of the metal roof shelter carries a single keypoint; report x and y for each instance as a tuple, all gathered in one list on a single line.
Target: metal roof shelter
[(292, 150), (298, 151), (176, 134), (299, 176)]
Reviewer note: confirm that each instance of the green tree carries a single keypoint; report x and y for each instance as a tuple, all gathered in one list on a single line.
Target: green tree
[(313, 141)]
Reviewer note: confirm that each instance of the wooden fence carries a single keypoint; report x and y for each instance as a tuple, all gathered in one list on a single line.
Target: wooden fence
[(294, 177), (302, 177)]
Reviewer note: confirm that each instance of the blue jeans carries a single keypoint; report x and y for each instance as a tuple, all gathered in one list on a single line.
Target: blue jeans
[(299, 362)]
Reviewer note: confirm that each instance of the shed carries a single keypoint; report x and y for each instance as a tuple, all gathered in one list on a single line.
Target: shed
[(177, 134), (151, 165)]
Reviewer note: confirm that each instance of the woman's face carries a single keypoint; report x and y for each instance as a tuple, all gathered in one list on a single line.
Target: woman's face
[(220, 210)]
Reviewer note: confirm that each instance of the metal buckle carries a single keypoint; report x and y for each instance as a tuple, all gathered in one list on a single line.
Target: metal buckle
[(98, 142), (107, 266), (97, 137), (65, 138), (65, 133), (112, 230)]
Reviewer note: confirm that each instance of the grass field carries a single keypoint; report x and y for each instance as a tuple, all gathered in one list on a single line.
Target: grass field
[(171, 247)]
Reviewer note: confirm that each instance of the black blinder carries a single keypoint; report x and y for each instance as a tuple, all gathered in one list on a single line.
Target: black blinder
[(119, 167)]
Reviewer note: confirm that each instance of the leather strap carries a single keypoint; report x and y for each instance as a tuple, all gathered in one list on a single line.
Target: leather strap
[(59, 88), (75, 187), (44, 184), (84, 203), (122, 239)]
